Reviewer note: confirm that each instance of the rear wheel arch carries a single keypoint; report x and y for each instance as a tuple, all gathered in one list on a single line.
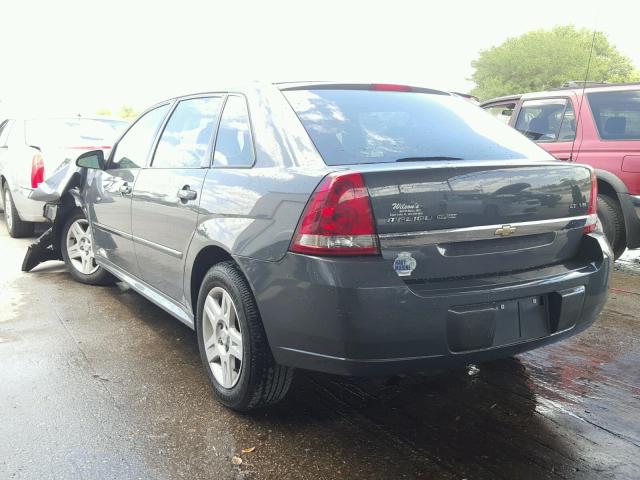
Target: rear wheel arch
[(611, 215), (605, 188), (610, 181), (205, 259)]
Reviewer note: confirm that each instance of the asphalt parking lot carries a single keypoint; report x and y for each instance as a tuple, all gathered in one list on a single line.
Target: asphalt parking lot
[(99, 383)]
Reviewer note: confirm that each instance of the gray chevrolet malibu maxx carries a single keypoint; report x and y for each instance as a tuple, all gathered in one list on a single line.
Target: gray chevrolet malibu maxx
[(356, 229)]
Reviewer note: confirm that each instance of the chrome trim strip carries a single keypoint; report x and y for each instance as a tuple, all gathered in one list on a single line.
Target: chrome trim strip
[(115, 231), (484, 232), (157, 246)]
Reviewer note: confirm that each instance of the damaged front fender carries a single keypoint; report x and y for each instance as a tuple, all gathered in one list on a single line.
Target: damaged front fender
[(62, 193)]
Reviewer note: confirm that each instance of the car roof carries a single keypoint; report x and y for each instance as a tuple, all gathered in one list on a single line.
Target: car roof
[(245, 87), (562, 91), (61, 117), (506, 98), (588, 88), (319, 85)]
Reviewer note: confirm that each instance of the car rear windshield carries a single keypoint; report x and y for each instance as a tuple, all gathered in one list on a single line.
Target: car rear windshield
[(72, 132), (617, 114), (368, 126)]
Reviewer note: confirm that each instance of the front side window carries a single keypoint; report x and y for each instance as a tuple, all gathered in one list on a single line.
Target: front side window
[(568, 125), (133, 148), (185, 140), (617, 114), (234, 144), (356, 126), (540, 120)]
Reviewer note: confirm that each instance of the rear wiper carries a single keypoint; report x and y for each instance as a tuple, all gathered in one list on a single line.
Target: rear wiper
[(423, 159)]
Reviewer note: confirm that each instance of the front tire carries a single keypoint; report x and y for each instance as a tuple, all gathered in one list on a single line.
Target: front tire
[(233, 345), (610, 215), (15, 226), (77, 251)]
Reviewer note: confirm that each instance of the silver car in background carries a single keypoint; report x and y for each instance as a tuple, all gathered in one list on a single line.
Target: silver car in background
[(32, 149)]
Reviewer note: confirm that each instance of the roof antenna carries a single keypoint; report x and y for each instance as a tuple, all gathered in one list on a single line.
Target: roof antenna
[(584, 87)]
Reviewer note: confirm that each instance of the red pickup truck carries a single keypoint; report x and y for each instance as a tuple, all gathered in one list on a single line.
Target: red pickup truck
[(598, 125)]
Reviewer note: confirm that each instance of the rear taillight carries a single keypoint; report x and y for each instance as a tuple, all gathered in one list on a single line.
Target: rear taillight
[(592, 211), (338, 219), (37, 170)]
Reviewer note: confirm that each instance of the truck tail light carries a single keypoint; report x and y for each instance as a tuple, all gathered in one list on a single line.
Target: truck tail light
[(592, 211), (37, 170), (338, 219)]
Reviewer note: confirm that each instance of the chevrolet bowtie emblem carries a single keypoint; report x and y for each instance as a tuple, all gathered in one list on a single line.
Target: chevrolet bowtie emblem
[(505, 231)]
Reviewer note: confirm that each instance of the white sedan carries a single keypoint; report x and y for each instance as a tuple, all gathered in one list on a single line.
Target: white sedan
[(33, 149)]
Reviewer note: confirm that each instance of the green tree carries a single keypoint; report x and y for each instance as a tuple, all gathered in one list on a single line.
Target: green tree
[(543, 59), (127, 113)]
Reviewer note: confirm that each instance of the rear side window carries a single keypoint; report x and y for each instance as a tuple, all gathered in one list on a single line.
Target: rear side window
[(133, 147), (547, 120), (617, 114), (502, 112), (234, 144), (186, 136), (367, 126)]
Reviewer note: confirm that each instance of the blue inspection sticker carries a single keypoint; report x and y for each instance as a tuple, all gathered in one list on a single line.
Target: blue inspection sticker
[(404, 264)]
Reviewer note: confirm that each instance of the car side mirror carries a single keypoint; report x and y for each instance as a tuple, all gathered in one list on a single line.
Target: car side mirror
[(507, 112), (93, 159)]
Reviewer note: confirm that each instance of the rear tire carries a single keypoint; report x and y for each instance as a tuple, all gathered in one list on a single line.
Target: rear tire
[(15, 226), (610, 215), (77, 252), (255, 380)]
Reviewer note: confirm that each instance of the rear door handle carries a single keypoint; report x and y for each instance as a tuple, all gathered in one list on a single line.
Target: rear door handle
[(125, 189), (185, 194)]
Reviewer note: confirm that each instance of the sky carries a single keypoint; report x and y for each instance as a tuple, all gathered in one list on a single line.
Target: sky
[(79, 56)]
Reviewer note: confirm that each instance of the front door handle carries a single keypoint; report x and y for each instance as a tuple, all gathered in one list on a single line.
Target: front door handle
[(185, 194), (125, 189)]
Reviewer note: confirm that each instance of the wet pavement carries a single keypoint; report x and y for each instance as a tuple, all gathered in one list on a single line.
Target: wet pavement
[(96, 382)]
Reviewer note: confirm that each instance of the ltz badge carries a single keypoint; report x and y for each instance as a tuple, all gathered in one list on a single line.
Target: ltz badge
[(404, 264)]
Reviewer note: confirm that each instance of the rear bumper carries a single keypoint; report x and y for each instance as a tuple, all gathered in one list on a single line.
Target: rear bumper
[(357, 317), (29, 210)]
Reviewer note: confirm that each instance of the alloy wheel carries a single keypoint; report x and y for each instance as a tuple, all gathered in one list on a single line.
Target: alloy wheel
[(80, 248), (222, 337)]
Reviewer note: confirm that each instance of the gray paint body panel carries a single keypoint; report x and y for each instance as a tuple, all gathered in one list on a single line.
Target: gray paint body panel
[(343, 315)]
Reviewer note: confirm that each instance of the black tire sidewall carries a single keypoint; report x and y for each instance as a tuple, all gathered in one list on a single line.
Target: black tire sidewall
[(610, 216), (19, 228), (604, 213), (236, 397)]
